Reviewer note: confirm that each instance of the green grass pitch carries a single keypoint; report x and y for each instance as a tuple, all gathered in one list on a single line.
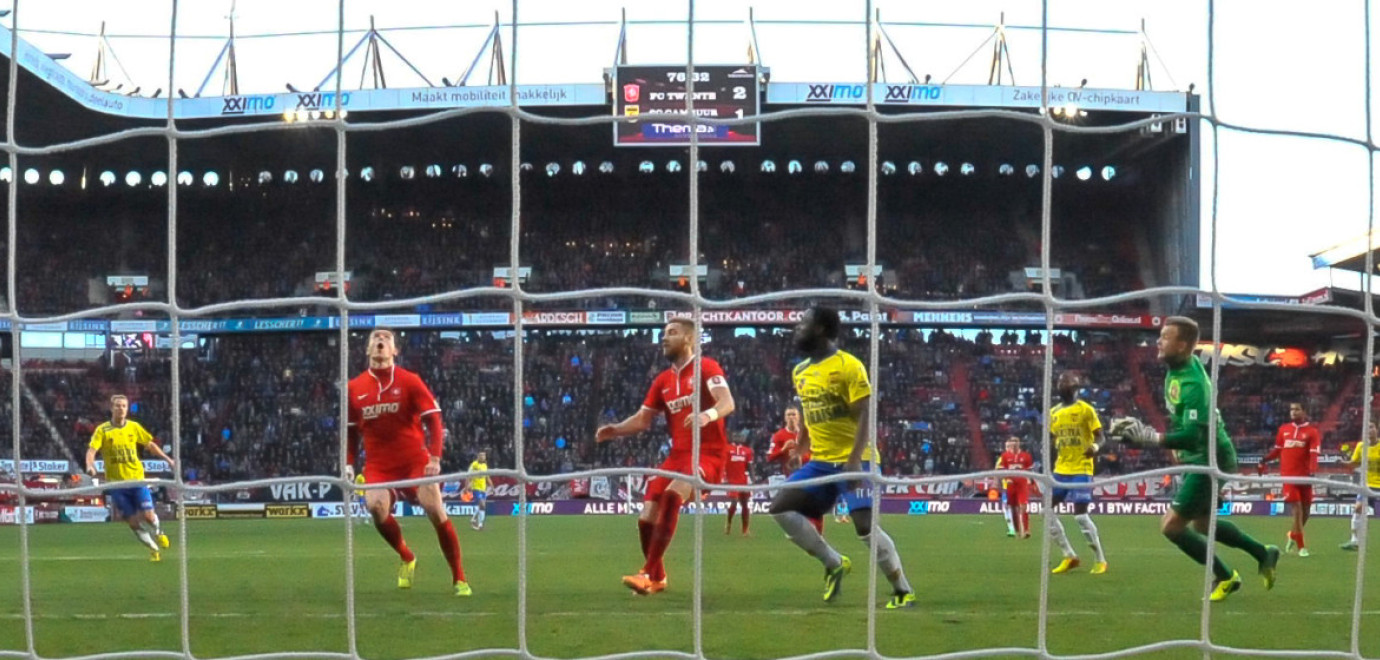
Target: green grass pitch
[(279, 585)]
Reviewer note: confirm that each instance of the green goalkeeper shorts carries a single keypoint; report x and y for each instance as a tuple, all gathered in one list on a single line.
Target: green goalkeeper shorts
[(1194, 499)]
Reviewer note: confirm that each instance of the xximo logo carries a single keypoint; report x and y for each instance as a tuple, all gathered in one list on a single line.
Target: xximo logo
[(910, 93), (321, 100), (534, 508), (238, 105), (829, 93), (923, 507)]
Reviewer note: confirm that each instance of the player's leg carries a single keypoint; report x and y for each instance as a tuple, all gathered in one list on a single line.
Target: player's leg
[(1089, 529), (429, 496), (126, 500), (745, 501), (1177, 526), (859, 500), (481, 510), (732, 508), (1301, 516), (1006, 512), (1056, 531), (1358, 518), (652, 579), (379, 503)]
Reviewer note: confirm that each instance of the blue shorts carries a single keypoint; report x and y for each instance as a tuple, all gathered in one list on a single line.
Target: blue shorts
[(856, 499), (481, 495), (1075, 495), (131, 500)]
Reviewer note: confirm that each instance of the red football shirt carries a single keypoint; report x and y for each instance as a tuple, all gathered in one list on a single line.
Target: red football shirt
[(1297, 446), (387, 407), (1020, 460), (672, 394), (739, 460), (777, 453)]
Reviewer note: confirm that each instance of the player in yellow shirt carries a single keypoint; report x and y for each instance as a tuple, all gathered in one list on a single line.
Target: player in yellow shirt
[(834, 393), (479, 487), (119, 441), (1371, 453), (363, 518), (1077, 435)]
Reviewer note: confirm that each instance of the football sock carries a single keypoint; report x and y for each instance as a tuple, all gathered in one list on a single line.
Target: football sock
[(1010, 524), (450, 547), (667, 519), (732, 507), (644, 530), (1085, 522), (1231, 536), (803, 533), (482, 514), (1061, 539), (392, 533), (143, 536), (747, 506), (1024, 517), (1194, 545), (1356, 518), (818, 524), (888, 560)]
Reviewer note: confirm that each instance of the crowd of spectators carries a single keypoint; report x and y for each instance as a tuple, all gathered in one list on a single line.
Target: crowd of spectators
[(265, 405), (271, 242)]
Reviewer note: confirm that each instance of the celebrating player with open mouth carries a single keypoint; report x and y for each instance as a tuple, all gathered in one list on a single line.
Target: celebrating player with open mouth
[(672, 394), (389, 406)]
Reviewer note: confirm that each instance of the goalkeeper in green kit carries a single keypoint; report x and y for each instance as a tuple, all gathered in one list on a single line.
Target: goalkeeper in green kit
[(1187, 394)]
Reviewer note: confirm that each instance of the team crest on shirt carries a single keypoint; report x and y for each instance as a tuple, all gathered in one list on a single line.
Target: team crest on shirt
[(835, 377), (396, 391), (1173, 392)]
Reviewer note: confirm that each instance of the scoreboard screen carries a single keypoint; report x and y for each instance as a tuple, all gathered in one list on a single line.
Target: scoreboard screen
[(721, 92)]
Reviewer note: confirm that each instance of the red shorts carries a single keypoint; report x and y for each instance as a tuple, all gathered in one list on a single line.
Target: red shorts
[(738, 494), (1298, 493), (711, 470), (1017, 495), (414, 470)]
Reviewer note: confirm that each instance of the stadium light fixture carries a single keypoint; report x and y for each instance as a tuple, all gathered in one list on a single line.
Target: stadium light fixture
[(646, 167), (794, 167), (915, 168), (31, 176), (727, 167), (967, 169), (673, 166), (1084, 173), (133, 179), (1032, 170), (1108, 172), (701, 166), (433, 171), (316, 176), (1057, 171), (821, 167), (525, 167), (1005, 169), (461, 172), (107, 178), (367, 174), (941, 168), (552, 169), (185, 178), (578, 168), (407, 172), (159, 179), (56, 177), (290, 176), (265, 177), (606, 167), (209, 179), (6, 175), (486, 170), (847, 167), (768, 166), (888, 168)]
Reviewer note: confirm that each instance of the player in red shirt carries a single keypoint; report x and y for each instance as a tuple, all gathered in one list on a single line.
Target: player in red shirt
[(389, 406), (1017, 488), (786, 451), (738, 473), (1296, 446), (672, 394)]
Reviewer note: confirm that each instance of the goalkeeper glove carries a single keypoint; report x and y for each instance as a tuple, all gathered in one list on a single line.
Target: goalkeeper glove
[(1132, 430)]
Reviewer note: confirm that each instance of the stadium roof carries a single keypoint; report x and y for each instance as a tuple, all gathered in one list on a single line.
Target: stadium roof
[(1350, 255)]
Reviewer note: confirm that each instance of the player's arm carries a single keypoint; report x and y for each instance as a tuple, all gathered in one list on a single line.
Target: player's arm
[(1273, 453), (1095, 428), (97, 438), (1355, 461), (1314, 450), (636, 423), (154, 449), (777, 447), (436, 438), (718, 391), (1192, 432), (859, 396)]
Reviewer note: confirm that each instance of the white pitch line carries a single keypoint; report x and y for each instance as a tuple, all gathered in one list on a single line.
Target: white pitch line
[(444, 614)]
